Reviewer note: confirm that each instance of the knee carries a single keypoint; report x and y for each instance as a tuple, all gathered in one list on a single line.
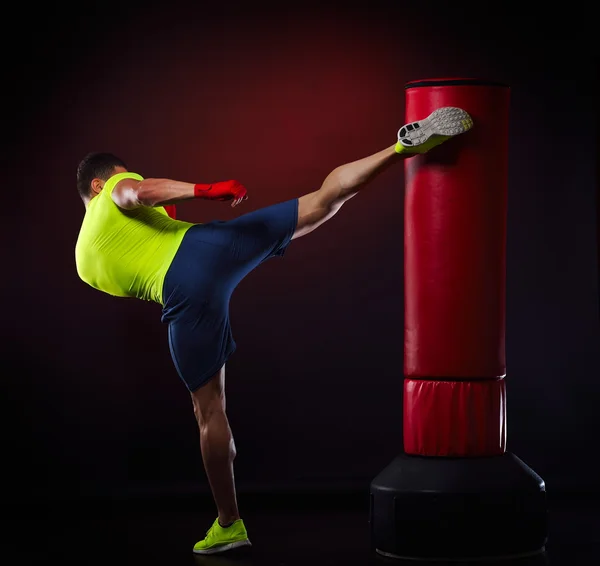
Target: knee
[(209, 401), (314, 207), (206, 413)]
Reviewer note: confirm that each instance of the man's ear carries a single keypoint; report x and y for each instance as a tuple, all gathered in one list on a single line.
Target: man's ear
[(97, 186)]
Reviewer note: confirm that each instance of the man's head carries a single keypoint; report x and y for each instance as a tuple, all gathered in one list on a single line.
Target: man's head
[(94, 170)]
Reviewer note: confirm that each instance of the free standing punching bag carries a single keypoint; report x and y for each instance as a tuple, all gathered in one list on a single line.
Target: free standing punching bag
[(455, 492)]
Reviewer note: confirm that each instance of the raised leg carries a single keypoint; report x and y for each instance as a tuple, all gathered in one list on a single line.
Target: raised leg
[(346, 181), (339, 186)]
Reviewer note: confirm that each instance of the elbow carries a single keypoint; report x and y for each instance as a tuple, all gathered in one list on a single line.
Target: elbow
[(145, 195), (140, 196), (144, 200)]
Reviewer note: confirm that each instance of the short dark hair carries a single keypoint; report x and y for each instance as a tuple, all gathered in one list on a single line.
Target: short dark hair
[(95, 165)]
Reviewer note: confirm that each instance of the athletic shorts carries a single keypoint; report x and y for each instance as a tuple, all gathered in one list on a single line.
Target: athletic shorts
[(211, 260)]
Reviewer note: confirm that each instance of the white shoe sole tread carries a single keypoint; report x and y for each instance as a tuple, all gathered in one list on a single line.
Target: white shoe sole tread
[(446, 121)]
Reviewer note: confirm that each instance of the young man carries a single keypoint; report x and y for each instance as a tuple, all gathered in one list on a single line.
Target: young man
[(129, 246)]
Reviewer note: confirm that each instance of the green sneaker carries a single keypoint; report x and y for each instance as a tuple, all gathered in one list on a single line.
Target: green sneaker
[(442, 124), (219, 539)]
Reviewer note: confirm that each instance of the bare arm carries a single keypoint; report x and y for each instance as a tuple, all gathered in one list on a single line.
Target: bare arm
[(131, 193)]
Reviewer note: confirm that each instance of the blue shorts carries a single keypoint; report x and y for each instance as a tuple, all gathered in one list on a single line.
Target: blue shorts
[(211, 260)]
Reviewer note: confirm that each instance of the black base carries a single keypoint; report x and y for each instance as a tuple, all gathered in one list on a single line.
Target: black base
[(458, 508)]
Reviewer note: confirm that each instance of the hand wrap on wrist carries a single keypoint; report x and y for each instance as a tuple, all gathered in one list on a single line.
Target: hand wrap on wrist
[(222, 190)]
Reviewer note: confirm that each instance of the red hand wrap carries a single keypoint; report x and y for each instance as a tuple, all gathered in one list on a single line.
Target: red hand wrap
[(223, 190)]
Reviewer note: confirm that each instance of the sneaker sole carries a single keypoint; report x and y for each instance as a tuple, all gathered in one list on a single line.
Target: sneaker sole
[(224, 547), (447, 121)]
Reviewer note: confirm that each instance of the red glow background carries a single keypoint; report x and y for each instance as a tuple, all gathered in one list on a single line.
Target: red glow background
[(276, 98)]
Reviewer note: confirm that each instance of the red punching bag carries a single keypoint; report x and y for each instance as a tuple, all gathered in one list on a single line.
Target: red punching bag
[(455, 492), (454, 269)]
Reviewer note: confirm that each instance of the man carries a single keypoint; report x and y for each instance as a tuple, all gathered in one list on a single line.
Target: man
[(129, 246)]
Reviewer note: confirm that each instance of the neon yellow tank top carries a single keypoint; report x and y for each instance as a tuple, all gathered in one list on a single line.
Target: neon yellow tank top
[(127, 253)]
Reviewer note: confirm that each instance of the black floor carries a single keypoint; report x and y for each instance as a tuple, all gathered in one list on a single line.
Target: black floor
[(284, 530)]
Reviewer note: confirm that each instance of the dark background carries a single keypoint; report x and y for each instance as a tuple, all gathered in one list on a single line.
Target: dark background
[(277, 97)]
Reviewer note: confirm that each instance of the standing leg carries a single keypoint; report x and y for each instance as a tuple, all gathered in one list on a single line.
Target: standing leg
[(217, 445), (218, 452)]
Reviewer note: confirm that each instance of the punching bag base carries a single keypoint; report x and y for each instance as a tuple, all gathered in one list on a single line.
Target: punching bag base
[(429, 508)]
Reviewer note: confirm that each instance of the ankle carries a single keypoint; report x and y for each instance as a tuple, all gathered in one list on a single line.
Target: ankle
[(225, 522)]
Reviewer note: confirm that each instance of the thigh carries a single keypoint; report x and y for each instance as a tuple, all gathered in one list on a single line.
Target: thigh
[(214, 257), (197, 291), (262, 233), (200, 341)]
